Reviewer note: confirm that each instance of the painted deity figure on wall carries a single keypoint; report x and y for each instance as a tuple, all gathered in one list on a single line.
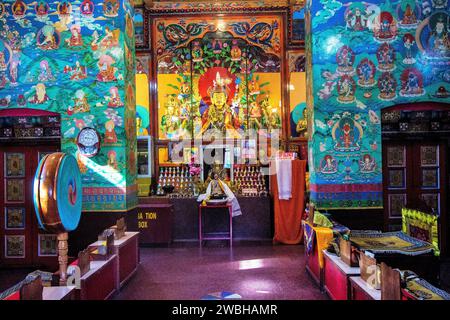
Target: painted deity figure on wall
[(81, 104), (347, 133), (197, 52), (19, 8), (114, 99), (48, 38), (386, 57), (366, 73), (408, 43), (41, 9), (356, 17), (40, 95), (111, 8), (345, 59), (385, 28), (87, 7), (107, 72), (45, 73), (78, 72), (111, 38), (110, 133), (412, 83), (75, 40), (439, 40), (346, 89), (112, 160), (13, 70), (236, 52), (3, 65), (328, 165), (64, 8), (367, 164), (387, 86)]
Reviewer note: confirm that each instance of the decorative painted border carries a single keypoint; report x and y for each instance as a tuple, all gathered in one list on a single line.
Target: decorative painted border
[(147, 41)]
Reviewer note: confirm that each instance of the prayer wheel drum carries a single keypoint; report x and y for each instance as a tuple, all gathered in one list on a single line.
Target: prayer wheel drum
[(57, 193)]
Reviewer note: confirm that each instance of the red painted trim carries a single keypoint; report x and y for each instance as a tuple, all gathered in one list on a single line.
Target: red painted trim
[(26, 112), (374, 187)]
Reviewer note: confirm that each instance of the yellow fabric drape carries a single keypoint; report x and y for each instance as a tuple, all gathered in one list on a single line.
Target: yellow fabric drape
[(324, 236)]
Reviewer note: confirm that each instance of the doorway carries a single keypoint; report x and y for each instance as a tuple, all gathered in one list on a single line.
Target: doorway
[(25, 137), (415, 171)]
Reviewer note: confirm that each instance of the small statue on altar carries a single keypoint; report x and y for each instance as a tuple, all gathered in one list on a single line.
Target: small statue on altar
[(217, 169), (217, 189)]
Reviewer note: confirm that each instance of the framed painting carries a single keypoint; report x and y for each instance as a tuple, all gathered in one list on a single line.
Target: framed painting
[(141, 29), (14, 165), (297, 24), (47, 245), (15, 190), (14, 218), (14, 246)]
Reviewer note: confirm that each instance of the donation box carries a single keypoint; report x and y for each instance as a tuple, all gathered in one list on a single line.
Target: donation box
[(154, 222)]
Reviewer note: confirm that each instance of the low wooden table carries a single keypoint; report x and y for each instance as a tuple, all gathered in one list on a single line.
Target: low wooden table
[(360, 290), (336, 277), (99, 283), (217, 235), (58, 293), (127, 251)]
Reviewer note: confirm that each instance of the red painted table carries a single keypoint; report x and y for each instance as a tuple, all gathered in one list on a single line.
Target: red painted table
[(99, 283), (127, 251), (360, 290), (219, 235), (336, 277)]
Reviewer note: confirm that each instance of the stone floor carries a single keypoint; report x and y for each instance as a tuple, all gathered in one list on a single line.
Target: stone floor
[(190, 273)]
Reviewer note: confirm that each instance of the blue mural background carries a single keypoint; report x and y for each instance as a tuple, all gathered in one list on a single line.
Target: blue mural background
[(366, 56), (77, 58)]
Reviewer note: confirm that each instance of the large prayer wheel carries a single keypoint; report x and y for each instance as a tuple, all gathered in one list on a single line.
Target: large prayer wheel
[(57, 200), (57, 193)]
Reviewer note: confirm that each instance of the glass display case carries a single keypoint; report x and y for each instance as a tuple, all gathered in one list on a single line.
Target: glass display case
[(144, 159)]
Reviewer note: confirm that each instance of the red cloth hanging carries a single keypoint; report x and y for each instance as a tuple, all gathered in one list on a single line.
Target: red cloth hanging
[(288, 213)]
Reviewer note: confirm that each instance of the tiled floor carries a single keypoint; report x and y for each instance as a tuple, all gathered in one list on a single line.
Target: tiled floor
[(254, 272)]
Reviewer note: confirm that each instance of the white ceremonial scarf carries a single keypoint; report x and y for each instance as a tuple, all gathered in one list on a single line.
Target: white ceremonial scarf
[(231, 198), (284, 178)]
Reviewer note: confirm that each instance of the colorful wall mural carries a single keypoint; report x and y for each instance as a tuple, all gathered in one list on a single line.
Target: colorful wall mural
[(366, 56), (218, 74), (76, 58)]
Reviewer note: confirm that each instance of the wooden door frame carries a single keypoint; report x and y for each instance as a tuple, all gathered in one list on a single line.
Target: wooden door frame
[(443, 140)]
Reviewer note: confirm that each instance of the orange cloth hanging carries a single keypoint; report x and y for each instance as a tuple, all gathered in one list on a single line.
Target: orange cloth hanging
[(288, 213)]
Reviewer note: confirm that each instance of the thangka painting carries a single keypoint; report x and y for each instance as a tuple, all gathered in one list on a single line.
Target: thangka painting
[(366, 56), (75, 58), (218, 74)]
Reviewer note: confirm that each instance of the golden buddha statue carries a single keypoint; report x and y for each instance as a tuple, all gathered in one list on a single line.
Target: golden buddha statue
[(271, 117), (170, 122), (302, 125), (219, 114)]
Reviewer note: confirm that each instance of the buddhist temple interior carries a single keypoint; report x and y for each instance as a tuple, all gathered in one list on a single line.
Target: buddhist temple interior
[(299, 147)]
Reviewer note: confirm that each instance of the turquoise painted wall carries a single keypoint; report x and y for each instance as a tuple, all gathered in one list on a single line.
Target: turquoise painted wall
[(77, 58), (366, 56)]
